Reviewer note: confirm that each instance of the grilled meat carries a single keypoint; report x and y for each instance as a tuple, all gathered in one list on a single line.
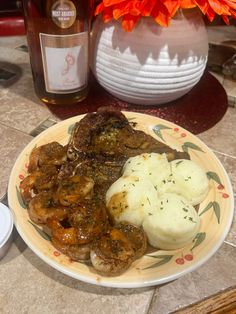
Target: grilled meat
[(109, 134)]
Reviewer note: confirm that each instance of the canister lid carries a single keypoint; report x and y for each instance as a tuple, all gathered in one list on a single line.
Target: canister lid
[(6, 224)]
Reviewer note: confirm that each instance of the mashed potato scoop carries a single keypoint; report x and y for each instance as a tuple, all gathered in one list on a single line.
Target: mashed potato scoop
[(188, 180), (129, 198), (155, 167), (173, 224)]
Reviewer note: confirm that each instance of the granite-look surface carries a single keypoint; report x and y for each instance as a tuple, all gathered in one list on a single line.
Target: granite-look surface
[(18, 101), (12, 143), (29, 285), (216, 275), (229, 164), (222, 136), (224, 41)]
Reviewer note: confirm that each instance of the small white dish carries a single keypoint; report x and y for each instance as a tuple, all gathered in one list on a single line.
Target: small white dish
[(6, 226)]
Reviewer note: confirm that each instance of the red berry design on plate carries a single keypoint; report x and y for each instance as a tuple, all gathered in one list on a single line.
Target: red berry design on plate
[(220, 187), (179, 261), (21, 177), (188, 257), (225, 195), (176, 129), (183, 134), (56, 253)]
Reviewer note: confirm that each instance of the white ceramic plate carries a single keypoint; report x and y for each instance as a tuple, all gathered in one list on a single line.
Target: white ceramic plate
[(216, 211)]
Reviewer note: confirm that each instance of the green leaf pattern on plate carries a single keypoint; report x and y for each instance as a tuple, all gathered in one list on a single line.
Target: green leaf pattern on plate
[(42, 233), (216, 208), (199, 238), (163, 260), (20, 199), (71, 128), (191, 145), (214, 176), (158, 128)]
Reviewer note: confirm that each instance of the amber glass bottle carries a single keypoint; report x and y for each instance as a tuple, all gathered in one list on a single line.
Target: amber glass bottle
[(58, 40)]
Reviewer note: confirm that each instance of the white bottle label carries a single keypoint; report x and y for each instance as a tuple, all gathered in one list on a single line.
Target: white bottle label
[(65, 62)]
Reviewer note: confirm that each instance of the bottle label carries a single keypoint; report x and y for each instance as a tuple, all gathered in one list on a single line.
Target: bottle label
[(63, 13), (65, 62)]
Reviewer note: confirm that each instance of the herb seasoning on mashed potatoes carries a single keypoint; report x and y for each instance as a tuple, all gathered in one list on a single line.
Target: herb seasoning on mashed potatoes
[(159, 195)]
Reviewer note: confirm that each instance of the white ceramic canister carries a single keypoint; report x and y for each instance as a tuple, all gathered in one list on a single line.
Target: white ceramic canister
[(6, 226), (151, 65)]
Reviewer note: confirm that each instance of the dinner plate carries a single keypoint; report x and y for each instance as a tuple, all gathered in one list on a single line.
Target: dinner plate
[(158, 267)]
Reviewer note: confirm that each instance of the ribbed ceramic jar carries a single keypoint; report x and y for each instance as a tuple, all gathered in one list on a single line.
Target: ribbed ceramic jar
[(152, 64)]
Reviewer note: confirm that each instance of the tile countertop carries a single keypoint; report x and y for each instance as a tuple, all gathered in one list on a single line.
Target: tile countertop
[(29, 285)]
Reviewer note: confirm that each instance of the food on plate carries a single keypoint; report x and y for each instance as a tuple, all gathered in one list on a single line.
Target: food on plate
[(68, 187), (155, 167), (48, 154), (173, 224), (137, 237), (155, 194), (190, 180), (129, 198), (112, 253)]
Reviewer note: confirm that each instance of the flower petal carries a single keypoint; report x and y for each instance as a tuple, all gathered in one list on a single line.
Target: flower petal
[(129, 21)]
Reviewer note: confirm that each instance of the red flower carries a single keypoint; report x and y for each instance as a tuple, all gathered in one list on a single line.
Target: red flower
[(130, 11)]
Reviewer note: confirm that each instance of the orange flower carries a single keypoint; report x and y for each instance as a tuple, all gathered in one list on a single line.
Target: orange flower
[(130, 11)]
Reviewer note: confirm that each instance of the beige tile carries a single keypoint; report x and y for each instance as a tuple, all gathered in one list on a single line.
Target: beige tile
[(231, 237), (230, 87), (217, 274), (219, 34), (28, 285), (229, 164), (20, 108), (221, 137), (12, 41), (12, 143)]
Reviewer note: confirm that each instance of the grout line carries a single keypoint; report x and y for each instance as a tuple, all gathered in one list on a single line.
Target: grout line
[(150, 301), (231, 244), (42, 126), (4, 199), (13, 128), (224, 154)]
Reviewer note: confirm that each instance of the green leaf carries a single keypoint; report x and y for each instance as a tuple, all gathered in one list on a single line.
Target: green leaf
[(200, 237), (163, 260), (206, 208), (71, 128), (191, 145), (20, 199), (42, 233), (216, 207), (158, 128), (214, 176)]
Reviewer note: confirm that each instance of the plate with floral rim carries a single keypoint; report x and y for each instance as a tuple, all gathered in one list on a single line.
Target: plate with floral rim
[(160, 266)]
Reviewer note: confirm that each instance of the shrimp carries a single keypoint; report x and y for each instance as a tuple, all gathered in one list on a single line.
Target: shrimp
[(136, 236), (112, 254), (74, 189), (62, 232), (44, 178), (66, 239), (76, 252), (90, 219), (49, 154), (42, 207)]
